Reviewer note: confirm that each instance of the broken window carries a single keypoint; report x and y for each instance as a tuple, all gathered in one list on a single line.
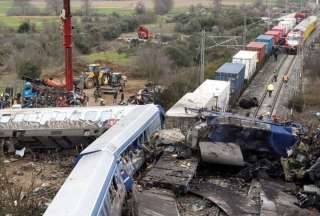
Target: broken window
[(5, 118), (113, 189)]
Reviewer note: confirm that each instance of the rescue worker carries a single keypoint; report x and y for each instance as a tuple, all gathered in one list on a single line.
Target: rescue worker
[(275, 74), (122, 98), (275, 53), (115, 97), (102, 102), (285, 80), (270, 89)]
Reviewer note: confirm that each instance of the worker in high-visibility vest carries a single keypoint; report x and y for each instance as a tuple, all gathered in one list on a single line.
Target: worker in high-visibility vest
[(270, 89)]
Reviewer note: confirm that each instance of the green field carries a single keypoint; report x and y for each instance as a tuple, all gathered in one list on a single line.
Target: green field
[(109, 56), (124, 7)]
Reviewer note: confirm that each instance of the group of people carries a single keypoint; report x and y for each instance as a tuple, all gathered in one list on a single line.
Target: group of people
[(270, 86)]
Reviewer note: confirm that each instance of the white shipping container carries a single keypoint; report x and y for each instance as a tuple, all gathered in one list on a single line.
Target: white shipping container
[(189, 100), (249, 59), (211, 94), (288, 16), (285, 25), (216, 94), (290, 22)]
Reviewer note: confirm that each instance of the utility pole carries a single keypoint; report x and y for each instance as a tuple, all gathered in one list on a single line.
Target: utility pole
[(245, 30), (286, 7), (202, 52), (67, 30), (269, 13)]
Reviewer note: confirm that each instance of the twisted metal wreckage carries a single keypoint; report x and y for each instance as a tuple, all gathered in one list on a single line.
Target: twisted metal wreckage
[(218, 138)]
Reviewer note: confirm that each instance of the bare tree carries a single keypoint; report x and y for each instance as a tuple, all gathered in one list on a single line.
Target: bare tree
[(153, 64), (140, 8), (217, 5), (162, 7), (86, 8), (54, 6)]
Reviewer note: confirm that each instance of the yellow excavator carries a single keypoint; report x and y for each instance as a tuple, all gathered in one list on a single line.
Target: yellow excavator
[(104, 76)]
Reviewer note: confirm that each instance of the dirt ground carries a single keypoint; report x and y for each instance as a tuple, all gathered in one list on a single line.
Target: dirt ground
[(42, 174), (133, 86)]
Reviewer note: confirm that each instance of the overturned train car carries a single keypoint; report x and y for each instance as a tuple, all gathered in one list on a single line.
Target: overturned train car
[(57, 128), (99, 183)]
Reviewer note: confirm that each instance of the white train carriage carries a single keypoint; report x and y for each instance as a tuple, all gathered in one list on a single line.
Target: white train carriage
[(100, 180), (58, 127)]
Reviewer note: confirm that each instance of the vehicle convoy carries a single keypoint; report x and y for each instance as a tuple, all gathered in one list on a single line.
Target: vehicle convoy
[(103, 77), (297, 37)]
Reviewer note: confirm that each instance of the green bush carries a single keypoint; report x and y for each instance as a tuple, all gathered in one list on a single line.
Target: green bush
[(25, 27), (173, 93), (179, 54), (29, 69)]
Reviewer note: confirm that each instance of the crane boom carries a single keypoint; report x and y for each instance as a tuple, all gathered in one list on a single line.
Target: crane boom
[(68, 44)]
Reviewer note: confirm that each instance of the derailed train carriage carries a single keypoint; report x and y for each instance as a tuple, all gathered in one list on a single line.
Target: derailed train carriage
[(52, 128), (103, 174)]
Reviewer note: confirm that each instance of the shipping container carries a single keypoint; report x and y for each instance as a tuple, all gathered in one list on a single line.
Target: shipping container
[(276, 36), (216, 94), (233, 72), (291, 23), (248, 58), (279, 29), (268, 40), (260, 47)]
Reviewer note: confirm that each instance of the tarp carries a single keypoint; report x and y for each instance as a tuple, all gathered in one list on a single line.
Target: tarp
[(281, 139)]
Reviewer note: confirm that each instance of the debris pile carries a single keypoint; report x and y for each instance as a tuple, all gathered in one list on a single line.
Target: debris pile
[(230, 178)]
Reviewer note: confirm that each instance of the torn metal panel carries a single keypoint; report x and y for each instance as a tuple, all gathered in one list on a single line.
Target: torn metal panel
[(172, 173), (193, 205), (156, 202), (277, 202), (230, 202), (221, 153)]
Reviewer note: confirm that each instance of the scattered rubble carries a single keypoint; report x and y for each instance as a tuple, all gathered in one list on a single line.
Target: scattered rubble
[(172, 173), (155, 202), (34, 179), (229, 174)]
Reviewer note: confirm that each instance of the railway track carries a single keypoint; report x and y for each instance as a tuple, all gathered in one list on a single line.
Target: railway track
[(267, 104)]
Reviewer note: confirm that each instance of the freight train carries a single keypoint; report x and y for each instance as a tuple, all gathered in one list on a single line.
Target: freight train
[(285, 34), (297, 37)]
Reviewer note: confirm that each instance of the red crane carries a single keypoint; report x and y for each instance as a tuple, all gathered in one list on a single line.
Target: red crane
[(67, 27)]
